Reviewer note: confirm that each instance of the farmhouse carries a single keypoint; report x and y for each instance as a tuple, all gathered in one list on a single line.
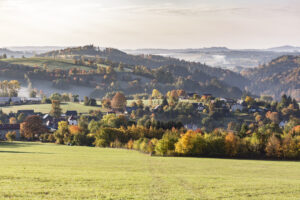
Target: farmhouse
[(71, 113), (4, 100), (72, 120)]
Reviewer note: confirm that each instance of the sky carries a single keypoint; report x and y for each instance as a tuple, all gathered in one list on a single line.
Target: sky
[(130, 24)]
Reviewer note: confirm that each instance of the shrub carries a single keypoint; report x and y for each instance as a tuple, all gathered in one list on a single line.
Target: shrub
[(11, 135)]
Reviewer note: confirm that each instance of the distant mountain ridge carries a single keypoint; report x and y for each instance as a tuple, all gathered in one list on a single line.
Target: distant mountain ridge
[(223, 57), (286, 48)]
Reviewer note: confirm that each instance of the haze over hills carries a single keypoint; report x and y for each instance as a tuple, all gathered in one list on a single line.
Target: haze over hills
[(143, 72), (223, 57), (111, 70), (234, 59)]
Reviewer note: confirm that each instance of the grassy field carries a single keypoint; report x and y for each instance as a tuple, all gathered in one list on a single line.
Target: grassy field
[(49, 171), (49, 62), (45, 108)]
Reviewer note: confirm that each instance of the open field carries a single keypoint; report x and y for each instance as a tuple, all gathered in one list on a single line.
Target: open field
[(45, 108), (49, 62), (49, 171)]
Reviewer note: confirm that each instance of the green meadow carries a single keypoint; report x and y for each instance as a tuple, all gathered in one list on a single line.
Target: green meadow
[(50, 63), (50, 171), (45, 108)]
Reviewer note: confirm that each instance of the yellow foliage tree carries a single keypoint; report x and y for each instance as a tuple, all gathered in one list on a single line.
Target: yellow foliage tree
[(190, 143), (156, 94)]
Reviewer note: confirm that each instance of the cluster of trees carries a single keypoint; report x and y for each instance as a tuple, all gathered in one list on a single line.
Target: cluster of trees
[(3, 56), (90, 101), (65, 97), (219, 143), (9, 88), (115, 131)]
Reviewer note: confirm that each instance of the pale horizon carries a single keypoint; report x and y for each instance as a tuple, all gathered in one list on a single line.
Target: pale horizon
[(136, 24)]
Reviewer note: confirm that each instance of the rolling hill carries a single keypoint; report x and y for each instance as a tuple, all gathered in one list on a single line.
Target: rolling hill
[(150, 61), (110, 70), (280, 76)]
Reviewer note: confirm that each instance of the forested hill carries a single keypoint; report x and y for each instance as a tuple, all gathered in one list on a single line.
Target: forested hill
[(150, 61), (280, 76)]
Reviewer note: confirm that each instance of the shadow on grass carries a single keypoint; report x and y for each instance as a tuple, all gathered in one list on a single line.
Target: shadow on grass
[(17, 144), (24, 152)]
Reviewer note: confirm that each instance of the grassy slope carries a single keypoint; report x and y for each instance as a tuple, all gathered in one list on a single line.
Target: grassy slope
[(45, 108), (49, 171), (50, 62)]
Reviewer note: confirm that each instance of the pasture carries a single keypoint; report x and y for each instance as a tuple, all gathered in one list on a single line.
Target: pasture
[(50, 171), (45, 108), (49, 63)]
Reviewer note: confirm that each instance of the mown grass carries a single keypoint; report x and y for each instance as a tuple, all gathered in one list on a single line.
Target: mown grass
[(49, 171), (49, 62), (45, 108)]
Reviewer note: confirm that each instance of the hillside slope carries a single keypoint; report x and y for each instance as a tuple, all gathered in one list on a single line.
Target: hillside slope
[(150, 61), (280, 76)]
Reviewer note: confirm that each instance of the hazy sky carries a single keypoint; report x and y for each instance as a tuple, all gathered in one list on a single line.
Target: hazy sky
[(150, 23)]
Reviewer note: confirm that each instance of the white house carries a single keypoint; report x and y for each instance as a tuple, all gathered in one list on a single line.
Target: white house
[(236, 107), (282, 124), (72, 121), (4, 100), (191, 127)]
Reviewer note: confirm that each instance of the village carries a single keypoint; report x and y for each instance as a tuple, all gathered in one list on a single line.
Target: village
[(201, 104)]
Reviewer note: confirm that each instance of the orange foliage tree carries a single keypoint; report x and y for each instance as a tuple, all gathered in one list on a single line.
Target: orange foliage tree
[(32, 128), (231, 144)]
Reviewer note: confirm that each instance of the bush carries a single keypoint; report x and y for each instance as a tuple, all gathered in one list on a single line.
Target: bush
[(47, 137), (11, 135)]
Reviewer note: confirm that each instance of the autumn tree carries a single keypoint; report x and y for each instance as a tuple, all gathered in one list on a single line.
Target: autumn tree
[(231, 144), (273, 116), (249, 100), (106, 103), (62, 134), (181, 93), (191, 143), (32, 128), (290, 147), (9, 88), (56, 110), (119, 101), (273, 147), (12, 120), (156, 94)]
